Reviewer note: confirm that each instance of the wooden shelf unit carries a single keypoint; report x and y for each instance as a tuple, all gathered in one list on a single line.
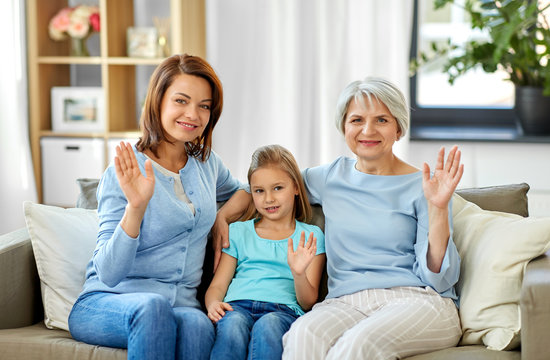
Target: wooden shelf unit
[(49, 64)]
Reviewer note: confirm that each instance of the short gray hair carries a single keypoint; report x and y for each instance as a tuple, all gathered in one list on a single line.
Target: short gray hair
[(383, 91)]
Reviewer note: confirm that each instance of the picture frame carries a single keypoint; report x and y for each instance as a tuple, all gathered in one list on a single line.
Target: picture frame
[(77, 109), (142, 42)]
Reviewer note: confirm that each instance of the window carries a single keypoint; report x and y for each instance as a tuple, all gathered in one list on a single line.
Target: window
[(477, 107)]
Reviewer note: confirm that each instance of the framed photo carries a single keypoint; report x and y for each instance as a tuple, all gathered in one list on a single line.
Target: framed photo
[(142, 42), (78, 109)]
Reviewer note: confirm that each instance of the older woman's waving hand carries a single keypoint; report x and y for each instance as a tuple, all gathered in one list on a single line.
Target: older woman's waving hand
[(438, 190)]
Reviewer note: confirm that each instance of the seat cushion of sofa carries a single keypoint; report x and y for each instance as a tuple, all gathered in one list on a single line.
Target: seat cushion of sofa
[(469, 352), (39, 342)]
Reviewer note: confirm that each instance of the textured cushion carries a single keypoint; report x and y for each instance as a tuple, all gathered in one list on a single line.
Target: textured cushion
[(63, 241), (494, 247), (505, 198), (87, 198), (39, 342), (473, 352), (19, 290)]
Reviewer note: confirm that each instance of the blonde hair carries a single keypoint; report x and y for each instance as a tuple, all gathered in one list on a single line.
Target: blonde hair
[(276, 155)]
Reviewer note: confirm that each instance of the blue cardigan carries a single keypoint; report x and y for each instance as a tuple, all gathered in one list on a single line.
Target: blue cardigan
[(168, 254)]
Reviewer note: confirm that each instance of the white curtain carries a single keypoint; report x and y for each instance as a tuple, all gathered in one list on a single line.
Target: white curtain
[(283, 64), (16, 175)]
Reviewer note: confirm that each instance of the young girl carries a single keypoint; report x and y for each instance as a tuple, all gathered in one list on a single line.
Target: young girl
[(265, 279)]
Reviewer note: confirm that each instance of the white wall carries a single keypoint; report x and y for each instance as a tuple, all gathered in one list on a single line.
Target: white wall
[(491, 163), (16, 174)]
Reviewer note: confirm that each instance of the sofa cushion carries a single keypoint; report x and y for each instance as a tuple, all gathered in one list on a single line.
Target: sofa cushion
[(39, 342), (87, 198), (20, 302), (472, 352), (505, 198), (63, 241), (494, 247)]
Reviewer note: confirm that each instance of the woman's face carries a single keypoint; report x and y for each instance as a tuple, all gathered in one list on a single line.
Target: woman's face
[(185, 108), (370, 130)]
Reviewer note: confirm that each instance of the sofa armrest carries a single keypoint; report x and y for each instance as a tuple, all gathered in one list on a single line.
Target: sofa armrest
[(535, 309), (20, 298)]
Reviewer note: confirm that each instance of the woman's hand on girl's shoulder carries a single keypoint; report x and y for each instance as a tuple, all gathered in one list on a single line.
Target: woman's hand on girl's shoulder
[(217, 310)]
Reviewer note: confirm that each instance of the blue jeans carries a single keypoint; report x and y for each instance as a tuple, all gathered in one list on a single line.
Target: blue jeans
[(255, 328), (144, 323)]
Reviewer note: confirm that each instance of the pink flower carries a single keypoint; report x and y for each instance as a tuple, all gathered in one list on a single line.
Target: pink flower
[(79, 28), (61, 21), (94, 20), (77, 22)]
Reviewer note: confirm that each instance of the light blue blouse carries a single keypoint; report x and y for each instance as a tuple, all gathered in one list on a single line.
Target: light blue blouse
[(262, 272), (376, 230), (168, 254)]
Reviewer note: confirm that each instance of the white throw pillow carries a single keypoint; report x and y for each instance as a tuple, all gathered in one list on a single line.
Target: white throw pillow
[(63, 241), (494, 248)]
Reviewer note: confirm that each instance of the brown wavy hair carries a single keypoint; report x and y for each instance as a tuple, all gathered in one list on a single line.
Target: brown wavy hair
[(162, 78), (276, 155)]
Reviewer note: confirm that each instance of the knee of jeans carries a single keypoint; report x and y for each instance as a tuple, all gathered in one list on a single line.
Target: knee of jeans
[(153, 306), (236, 318), (273, 322), (234, 321), (194, 319)]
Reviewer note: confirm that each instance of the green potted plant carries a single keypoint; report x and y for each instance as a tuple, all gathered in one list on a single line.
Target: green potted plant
[(519, 44)]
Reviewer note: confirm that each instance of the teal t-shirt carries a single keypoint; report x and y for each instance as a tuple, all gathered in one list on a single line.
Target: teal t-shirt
[(262, 272)]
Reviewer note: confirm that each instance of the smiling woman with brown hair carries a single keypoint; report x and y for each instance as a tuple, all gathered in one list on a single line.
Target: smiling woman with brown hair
[(156, 205)]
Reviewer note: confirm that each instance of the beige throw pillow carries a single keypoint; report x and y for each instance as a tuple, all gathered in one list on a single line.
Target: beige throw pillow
[(494, 248), (63, 241)]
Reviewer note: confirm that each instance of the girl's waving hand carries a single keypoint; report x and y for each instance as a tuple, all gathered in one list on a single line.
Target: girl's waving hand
[(300, 259)]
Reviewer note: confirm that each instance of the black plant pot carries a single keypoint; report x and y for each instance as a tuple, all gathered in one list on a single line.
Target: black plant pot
[(533, 110)]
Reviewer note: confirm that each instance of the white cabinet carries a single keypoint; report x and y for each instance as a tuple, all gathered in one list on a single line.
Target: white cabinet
[(63, 161), (112, 144)]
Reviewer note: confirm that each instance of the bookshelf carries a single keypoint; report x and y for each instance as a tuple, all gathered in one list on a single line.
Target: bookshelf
[(49, 65)]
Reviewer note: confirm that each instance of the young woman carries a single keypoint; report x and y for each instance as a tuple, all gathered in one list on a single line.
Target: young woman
[(266, 279), (156, 205)]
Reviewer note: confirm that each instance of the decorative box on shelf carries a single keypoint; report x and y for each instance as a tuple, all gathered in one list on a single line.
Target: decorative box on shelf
[(78, 109)]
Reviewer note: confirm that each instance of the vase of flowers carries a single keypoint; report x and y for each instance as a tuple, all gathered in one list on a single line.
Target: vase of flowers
[(76, 23)]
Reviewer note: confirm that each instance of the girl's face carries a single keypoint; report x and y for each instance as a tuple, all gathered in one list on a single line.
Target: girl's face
[(370, 130), (185, 108), (273, 192)]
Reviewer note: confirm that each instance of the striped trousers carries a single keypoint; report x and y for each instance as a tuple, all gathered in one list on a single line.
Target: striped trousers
[(375, 324)]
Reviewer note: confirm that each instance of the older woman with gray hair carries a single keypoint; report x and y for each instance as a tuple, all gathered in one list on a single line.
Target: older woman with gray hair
[(391, 261)]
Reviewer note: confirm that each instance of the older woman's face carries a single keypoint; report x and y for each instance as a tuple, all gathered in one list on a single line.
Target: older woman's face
[(370, 130)]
